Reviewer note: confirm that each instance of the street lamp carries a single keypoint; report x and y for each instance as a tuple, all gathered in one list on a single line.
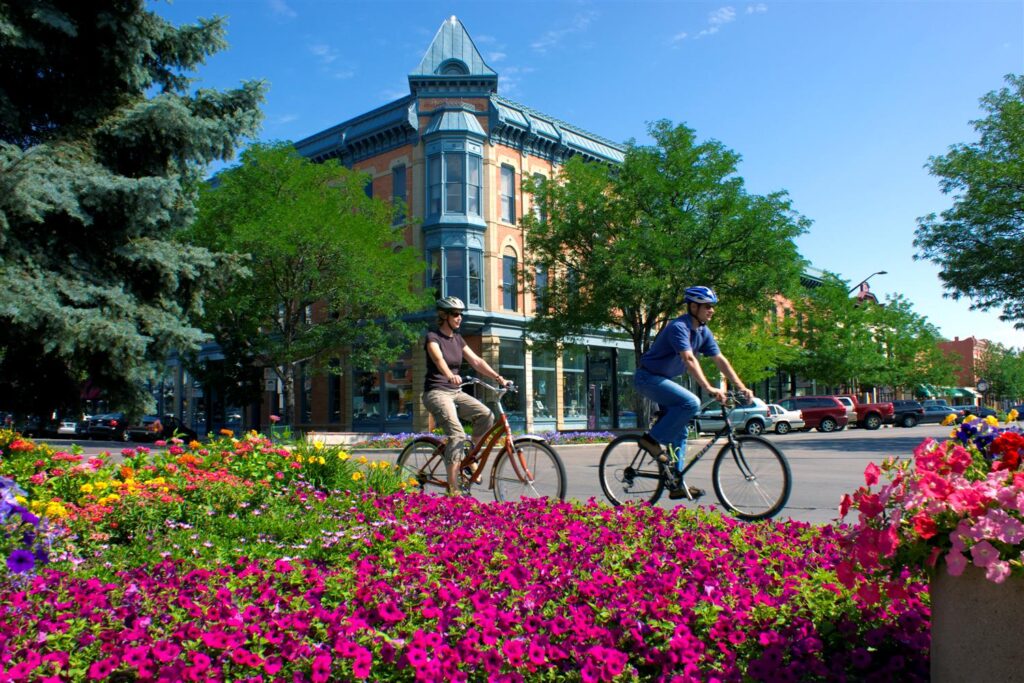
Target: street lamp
[(854, 288)]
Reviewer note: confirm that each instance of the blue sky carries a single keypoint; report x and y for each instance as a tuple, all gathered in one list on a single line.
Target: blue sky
[(838, 103)]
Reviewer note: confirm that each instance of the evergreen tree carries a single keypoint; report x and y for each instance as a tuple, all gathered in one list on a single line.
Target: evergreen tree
[(102, 145)]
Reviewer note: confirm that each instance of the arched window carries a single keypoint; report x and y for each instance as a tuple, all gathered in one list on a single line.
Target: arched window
[(509, 280)]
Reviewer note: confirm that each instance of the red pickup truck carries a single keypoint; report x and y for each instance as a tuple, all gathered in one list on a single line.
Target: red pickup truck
[(867, 415)]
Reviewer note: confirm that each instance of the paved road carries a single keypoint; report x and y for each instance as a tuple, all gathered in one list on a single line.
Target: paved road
[(824, 466)]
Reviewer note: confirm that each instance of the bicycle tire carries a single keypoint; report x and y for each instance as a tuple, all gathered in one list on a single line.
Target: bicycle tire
[(542, 462), (765, 491), (415, 459), (628, 473)]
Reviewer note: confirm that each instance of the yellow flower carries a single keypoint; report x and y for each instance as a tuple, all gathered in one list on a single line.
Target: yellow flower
[(1012, 416), (36, 505), (343, 456), (356, 476), (950, 419), (318, 445), (20, 500), (100, 485), (321, 460), (362, 460), (992, 421), (86, 488), (56, 510)]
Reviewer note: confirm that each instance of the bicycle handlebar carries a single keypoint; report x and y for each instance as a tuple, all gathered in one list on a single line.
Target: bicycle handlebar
[(508, 388)]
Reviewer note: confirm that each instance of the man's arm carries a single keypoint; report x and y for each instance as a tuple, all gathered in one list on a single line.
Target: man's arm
[(723, 365), (694, 369)]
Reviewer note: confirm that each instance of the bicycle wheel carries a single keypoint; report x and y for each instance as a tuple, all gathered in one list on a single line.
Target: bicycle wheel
[(752, 479), (543, 476), (422, 461), (628, 473)]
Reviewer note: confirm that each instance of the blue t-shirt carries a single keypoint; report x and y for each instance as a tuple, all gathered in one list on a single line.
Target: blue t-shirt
[(678, 336)]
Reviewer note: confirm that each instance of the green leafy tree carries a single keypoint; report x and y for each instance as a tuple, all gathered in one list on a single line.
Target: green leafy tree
[(1003, 368), (834, 336), (328, 271), (621, 244), (101, 148), (909, 347), (979, 242)]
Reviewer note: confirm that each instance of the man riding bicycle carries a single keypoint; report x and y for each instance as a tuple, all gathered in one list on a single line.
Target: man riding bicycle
[(673, 353)]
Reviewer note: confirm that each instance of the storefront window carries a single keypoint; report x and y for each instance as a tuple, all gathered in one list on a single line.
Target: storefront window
[(626, 394), (574, 387), (544, 389), (512, 366)]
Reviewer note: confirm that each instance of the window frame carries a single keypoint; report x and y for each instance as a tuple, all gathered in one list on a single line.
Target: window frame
[(507, 194)]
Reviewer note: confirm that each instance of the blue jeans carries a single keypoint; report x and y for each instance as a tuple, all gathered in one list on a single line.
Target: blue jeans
[(679, 405)]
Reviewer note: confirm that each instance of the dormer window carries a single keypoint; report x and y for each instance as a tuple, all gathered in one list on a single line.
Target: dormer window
[(454, 67)]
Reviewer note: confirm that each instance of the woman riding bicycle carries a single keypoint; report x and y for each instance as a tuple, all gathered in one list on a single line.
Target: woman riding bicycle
[(442, 395), (673, 353)]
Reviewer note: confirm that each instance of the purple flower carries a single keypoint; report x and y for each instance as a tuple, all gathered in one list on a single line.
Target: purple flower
[(21, 561)]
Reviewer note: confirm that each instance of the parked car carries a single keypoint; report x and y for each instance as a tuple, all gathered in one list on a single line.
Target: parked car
[(824, 413), (752, 418), (67, 428), (153, 427), (935, 402), (936, 413), (976, 411), (868, 416), (784, 420), (907, 413), (110, 426)]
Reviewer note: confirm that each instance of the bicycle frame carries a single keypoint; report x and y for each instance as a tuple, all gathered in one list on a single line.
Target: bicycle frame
[(727, 432), (480, 454)]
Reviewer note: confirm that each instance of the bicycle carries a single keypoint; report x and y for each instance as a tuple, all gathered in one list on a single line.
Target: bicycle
[(526, 466), (751, 477)]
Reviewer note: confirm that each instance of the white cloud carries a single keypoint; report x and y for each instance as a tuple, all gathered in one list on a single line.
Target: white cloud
[(716, 20), (495, 57), (284, 118), (554, 37), (325, 53), (282, 8)]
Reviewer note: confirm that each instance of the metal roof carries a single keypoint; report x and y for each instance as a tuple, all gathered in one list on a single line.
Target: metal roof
[(454, 120), (573, 137), (452, 46)]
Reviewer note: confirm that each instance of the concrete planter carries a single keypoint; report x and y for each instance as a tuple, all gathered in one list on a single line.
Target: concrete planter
[(975, 627)]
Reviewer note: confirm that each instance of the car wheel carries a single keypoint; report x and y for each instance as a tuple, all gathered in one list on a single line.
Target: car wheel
[(909, 421), (782, 428), (872, 422), (827, 425), (755, 427)]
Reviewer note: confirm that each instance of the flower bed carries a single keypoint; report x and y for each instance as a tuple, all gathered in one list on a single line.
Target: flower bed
[(240, 560), (958, 502)]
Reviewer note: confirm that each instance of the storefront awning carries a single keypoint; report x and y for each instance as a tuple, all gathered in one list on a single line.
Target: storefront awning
[(957, 392), (924, 391)]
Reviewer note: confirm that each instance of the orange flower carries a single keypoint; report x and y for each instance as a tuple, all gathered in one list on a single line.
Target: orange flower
[(226, 432)]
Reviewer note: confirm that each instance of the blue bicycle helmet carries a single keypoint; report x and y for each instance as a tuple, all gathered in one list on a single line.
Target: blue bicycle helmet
[(700, 295)]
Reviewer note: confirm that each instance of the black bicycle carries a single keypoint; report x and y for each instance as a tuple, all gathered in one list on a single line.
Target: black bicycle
[(751, 477)]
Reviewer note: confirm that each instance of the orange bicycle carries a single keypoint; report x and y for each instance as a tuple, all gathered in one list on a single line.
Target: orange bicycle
[(524, 467)]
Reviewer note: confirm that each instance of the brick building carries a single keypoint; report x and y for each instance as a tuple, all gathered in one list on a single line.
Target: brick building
[(967, 352), (455, 152)]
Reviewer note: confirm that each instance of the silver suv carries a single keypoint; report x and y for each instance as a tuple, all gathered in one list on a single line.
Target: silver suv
[(752, 418)]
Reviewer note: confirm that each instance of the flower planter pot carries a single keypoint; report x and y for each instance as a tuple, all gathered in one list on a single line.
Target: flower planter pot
[(973, 620)]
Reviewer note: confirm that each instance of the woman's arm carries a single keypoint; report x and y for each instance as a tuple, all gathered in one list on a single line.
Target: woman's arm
[(481, 366)]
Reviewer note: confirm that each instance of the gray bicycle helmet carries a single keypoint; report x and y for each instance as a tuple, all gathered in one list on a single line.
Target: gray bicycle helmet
[(451, 303)]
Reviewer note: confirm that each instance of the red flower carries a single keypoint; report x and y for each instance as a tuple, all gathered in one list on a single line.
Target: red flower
[(1008, 446), (925, 526)]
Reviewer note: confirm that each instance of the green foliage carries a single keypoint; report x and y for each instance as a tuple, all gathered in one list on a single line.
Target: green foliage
[(1003, 368), (843, 341), (101, 148), (328, 272), (622, 244), (979, 242)]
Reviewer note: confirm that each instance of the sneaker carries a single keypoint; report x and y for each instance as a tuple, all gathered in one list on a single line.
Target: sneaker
[(653, 447), (678, 493)]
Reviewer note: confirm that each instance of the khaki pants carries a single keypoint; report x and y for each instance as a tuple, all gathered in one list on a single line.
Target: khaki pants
[(452, 407)]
